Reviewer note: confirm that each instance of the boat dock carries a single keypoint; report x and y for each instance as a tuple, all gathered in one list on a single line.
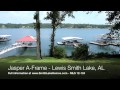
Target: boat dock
[(70, 41), (15, 46), (100, 44), (25, 42), (4, 38)]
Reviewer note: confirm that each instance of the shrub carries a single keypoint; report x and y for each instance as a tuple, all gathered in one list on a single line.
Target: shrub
[(80, 52), (59, 52), (100, 55)]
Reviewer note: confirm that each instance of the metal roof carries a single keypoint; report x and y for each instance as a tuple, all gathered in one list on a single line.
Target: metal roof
[(72, 38), (5, 35), (27, 39)]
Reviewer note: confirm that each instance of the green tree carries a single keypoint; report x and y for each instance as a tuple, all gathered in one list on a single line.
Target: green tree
[(56, 18), (37, 27), (114, 19)]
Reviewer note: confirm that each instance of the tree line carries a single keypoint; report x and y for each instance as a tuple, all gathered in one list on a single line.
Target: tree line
[(48, 25)]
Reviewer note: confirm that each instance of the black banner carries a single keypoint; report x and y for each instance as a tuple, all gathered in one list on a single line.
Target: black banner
[(59, 71)]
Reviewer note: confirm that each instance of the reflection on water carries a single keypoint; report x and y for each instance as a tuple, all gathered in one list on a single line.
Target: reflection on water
[(21, 51), (105, 48), (4, 44), (88, 35)]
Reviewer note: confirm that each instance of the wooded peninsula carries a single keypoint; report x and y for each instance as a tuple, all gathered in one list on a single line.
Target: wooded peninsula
[(48, 25)]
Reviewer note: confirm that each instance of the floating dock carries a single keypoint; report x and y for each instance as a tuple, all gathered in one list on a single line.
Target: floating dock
[(15, 46), (100, 44)]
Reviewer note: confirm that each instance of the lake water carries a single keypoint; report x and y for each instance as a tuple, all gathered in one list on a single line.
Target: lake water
[(87, 34)]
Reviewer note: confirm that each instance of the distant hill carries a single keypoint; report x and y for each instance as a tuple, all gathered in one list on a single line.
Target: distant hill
[(47, 25)]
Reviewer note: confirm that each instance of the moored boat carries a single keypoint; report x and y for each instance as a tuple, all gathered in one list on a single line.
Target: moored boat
[(70, 41), (4, 38)]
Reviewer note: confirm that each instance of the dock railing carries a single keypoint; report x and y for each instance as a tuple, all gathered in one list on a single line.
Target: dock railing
[(14, 46)]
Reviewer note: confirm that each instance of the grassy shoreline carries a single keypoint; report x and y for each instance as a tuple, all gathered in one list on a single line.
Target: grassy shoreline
[(32, 59)]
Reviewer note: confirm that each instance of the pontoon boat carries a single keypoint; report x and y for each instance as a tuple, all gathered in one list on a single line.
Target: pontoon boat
[(4, 38), (70, 41)]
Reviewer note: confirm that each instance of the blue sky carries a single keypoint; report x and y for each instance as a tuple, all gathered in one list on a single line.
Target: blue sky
[(20, 17)]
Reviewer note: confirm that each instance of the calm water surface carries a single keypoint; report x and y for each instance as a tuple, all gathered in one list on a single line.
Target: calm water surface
[(87, 34)]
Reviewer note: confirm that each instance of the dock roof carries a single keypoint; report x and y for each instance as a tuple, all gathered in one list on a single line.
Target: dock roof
[(5, 35), (27, 39), (72, 38)]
